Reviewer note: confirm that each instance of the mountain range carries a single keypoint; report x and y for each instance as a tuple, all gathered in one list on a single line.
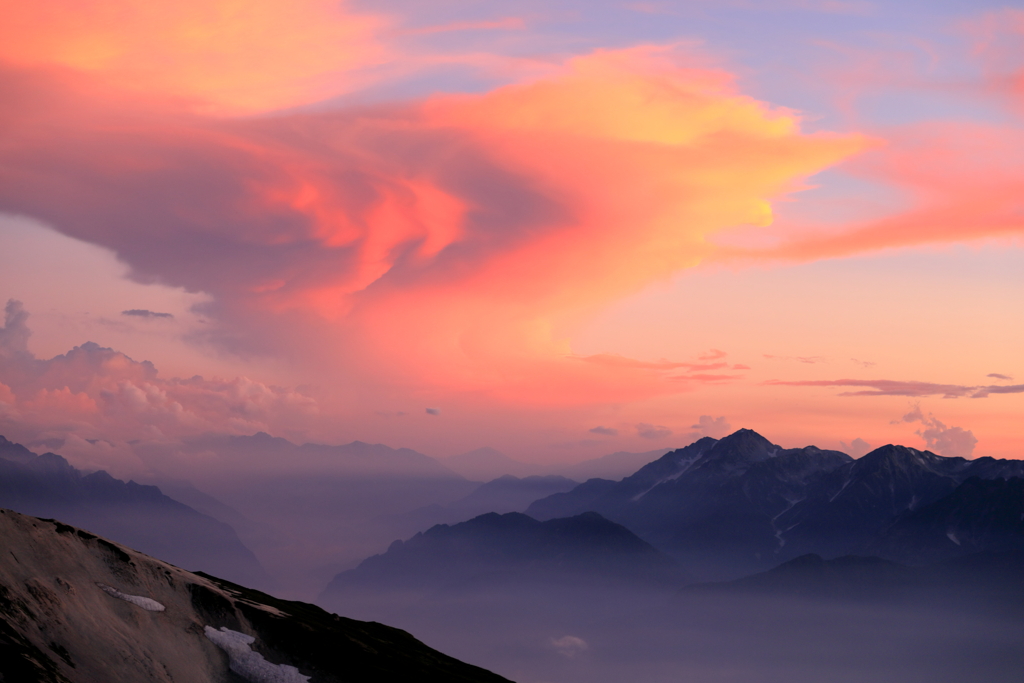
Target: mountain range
[(740, 504), (486, 464), (493, 550), (140, 516)]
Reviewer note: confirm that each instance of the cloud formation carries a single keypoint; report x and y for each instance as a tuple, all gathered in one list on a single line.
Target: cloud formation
[(15, 332), (439, 243), (649, 431), (856, 448), (948, 441), (95, 400), (217, 55), (886, 387), (143, 313), (604, 431), (715, 427)]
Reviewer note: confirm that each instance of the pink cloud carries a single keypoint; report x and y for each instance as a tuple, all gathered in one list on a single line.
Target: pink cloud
[(93, 392), (885, 387), (431, 244), (949, 441)]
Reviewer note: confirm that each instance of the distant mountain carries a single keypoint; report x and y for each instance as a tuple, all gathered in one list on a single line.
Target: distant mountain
[(48, 486), (712, 504), (486, 464), (613, 466), (984, 582), (509, 494), (848, 577), (262, 452), (978, 516), (75, 608), (501, 495), (511, 548), (844, 511), (306, 510), (184, 492)]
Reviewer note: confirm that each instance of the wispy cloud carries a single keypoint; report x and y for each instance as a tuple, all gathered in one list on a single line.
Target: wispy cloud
[(886, 387), (604, 431), (809, 360), (649, 431), (569, 646), (143, 313)]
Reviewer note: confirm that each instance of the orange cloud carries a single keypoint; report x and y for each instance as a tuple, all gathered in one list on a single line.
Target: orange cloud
[(224, 55), (643, 159), (963, 182), (442, 244)]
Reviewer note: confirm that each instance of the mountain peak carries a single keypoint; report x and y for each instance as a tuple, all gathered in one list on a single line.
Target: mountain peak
[(740, 449), (904, 457)]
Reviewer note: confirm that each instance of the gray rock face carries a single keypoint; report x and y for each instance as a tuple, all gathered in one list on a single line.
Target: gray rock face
[(76, 608)]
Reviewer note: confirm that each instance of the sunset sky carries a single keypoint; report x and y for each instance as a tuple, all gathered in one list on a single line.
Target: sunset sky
[(560, 229)]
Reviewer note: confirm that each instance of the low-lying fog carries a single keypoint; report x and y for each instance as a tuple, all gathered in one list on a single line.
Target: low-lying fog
[(567, 634)]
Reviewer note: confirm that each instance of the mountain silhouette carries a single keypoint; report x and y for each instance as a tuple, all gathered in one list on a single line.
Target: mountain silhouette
[(141, 516)]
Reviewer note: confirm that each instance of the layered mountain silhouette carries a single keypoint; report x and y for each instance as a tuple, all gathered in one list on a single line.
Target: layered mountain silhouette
[(712, 503), (77, 608), (501, 495), (978, 516), (509, 494), (846, 510), (263, 452), (731, 506), (811, 576), (140, 516), (493, 549), (612, 466), (486, 464)]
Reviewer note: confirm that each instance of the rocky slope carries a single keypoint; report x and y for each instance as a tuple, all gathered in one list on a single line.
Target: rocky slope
[(77, 608)]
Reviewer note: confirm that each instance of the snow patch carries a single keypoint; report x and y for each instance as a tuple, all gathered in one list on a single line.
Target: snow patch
[(145, 603), (684, 466), (248, 664), (836, 494)]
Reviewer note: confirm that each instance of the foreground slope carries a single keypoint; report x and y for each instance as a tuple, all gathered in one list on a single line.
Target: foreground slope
[(76, 608)]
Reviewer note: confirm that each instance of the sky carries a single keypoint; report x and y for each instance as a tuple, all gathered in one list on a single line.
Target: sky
[(558, 229)]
